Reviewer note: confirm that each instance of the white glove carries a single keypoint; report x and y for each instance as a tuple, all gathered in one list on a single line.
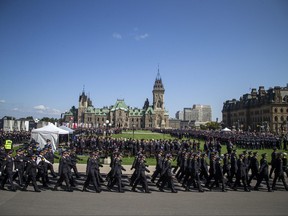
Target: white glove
[(16, 170), (0, 173)]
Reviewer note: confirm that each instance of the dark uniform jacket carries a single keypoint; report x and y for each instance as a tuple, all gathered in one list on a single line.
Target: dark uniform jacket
[(65, 165), (263, 167), (31, 168), (7, 165), (241, 172)]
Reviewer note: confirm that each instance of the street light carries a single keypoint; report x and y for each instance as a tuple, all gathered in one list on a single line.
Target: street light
[(107, 125), (133, 128)]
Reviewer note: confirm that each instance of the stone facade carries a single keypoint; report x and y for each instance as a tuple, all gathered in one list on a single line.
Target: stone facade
[(265, 110), (120, 115)]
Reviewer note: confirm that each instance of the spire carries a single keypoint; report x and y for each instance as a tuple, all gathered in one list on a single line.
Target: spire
[(158, 77), (83, 88), (158, 82)]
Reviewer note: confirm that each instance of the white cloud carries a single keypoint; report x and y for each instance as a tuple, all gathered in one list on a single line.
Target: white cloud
[(141, 36), (54, 112), (40, 108), (46, 110), (117, 35), (2, 101), (15, 109)]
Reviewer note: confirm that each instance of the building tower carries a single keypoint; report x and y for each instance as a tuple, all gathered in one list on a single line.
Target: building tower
[(84, 103), (158, 102)]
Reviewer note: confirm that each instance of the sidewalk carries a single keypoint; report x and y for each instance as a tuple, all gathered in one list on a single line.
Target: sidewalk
[(106, 168)]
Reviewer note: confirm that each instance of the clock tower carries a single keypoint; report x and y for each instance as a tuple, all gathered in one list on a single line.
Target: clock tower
[(158, 103)]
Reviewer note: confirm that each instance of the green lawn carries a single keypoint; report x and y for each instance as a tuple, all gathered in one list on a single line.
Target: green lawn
[(140, 134)]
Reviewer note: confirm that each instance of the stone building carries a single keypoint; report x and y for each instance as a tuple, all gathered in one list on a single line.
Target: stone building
[(262, 110), (121, 115)]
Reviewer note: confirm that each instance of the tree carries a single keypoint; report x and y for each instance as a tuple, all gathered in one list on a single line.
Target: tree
[(211, 126)]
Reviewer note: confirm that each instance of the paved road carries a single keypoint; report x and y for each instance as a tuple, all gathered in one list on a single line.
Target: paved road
[(137, 203)]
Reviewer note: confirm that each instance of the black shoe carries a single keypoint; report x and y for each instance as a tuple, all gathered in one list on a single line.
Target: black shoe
[(147, 191), (24, 189), (84, 189), (174, 191), (55, 189), (201, 190), (269, 190), (38, 190), (256, 188), (161, 189)]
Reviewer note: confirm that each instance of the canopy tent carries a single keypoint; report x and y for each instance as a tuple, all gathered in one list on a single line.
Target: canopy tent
[(226, 130), (67, 129), (50, 132)]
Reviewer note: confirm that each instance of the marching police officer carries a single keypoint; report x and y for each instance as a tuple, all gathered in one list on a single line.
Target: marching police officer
[(241, 174), (279, 173), (117, 173), (263, 173), (19, 164), (254, 165), (7, 171), (167, 175), (93, 173), (31, 171), (141, 176), (64, 172)]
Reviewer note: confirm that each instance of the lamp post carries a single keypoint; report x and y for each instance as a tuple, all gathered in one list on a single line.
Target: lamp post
[(133, 129), (106, 125)]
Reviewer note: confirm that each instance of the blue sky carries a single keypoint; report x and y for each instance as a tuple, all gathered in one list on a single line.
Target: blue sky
[(207, 51)]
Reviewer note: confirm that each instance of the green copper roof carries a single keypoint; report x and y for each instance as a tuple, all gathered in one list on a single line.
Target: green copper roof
[(136, 112), (150, 110), (120, 104), (102, 111)]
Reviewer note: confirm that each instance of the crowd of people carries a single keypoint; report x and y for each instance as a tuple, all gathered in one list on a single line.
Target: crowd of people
[(15, 136), (194, 167)]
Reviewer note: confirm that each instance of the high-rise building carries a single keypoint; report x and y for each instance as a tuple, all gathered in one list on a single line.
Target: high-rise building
[(198, 113), (179, 115)]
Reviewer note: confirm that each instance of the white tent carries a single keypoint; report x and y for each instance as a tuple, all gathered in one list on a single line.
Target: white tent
[(50, 132), (67, 129), (226, 130)]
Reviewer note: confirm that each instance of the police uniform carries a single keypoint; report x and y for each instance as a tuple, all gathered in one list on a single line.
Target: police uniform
[(141, 176), (7, 171), (219, 177), (263, 173), (19, 164), (31, 170), (241, 174), (64, 172), (279, 173), (254, 165), (167, 175), (117, 174), (93, 172)]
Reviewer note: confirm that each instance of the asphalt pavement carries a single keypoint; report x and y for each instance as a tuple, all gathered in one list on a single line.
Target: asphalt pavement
[(213, 202)]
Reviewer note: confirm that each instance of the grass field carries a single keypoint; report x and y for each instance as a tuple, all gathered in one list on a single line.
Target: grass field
[(140, 134)]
